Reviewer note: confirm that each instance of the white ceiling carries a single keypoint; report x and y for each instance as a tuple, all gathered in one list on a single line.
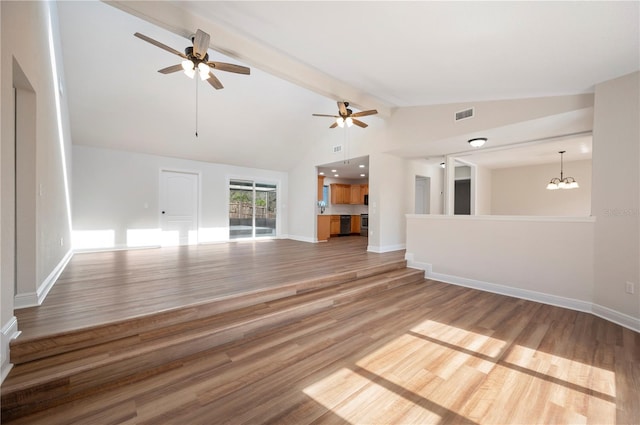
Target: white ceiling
[(545, 152), (376, 54), (433, 52), (346, 169)]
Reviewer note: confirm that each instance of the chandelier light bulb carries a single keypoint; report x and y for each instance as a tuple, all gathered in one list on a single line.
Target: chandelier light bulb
[(349, 121), (340, 122)]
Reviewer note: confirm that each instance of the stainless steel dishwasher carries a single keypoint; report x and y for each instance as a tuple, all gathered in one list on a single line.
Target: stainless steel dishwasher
[(345, 225)]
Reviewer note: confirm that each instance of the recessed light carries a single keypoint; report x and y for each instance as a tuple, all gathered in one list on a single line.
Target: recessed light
[(477, 142), (336, 175), (321, 173), (362, 175), (333, 171), (361, 165)]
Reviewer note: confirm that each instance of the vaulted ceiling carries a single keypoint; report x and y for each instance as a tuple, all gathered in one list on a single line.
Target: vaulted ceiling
[(306, 55)]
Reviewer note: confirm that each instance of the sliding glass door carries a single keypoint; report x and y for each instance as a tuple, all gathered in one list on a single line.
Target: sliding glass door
[(252, 209)]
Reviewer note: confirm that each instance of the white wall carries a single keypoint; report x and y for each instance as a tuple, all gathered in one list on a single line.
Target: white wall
[(616, 194), (522, 190), (484, 190), (29, 27), (116, 192), (512, 255), (436, 193), (388, 191), (421, 125)]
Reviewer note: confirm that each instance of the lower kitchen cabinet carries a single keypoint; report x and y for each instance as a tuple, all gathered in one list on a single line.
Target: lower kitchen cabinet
[(324, 229), (335, 225), (355, 224)]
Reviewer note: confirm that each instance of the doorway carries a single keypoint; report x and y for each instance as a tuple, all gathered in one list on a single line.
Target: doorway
[(463, 188), (462, 203), (25, 186), (179, 200), (252, 209), (423, 195)]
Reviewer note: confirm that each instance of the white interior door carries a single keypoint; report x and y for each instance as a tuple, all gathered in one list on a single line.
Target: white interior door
[(423, 195), (179, 208)]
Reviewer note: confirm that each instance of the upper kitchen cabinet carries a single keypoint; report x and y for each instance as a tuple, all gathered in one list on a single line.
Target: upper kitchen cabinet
[(348, 193), (320, 188), (355, 197), (340, 193)]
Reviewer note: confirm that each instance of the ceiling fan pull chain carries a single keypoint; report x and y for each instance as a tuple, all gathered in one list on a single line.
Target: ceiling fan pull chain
[(346, 145), (196, 80)]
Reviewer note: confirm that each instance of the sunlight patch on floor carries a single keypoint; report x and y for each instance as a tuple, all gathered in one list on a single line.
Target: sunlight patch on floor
[(360, 399)]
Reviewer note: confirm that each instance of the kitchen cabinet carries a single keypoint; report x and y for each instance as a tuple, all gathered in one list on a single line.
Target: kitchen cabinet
[(340, 193), (334, 225), (355, 197), (355, 224), (324, 227), (320, 187), (364, 190), (348, 193)]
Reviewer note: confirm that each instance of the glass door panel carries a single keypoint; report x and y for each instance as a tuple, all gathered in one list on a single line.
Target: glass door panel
[(240, 209), (252, 209), (265, 209)]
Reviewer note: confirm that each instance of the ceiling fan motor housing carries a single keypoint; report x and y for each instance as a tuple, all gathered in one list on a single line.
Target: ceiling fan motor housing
[(196, 60)]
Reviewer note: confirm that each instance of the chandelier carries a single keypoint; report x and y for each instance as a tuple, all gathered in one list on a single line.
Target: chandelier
[(562, 182)]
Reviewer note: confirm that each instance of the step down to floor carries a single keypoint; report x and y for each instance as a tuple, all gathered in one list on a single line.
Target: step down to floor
[(72, 368)]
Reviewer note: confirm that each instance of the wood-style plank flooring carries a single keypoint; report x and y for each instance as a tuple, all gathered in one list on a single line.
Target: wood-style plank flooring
[(103, 287), (425, 353)]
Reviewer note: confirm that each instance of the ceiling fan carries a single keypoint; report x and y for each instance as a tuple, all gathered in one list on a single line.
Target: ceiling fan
[(196, 58), (347, 116)]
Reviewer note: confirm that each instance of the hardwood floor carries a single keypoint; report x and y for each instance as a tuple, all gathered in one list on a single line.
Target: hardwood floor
[(103, 287), (420, 353)]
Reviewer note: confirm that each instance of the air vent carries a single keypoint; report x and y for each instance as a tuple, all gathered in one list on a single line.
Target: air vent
[(463, 115), (337, 149)]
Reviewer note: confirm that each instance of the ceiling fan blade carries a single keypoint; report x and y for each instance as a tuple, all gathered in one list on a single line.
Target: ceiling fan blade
[(200, 44), (342, 108), (215, 83), (160, 45), (334, 125), (364, 113), (359, 123), (229, 67), (325, 115), (171, 69)]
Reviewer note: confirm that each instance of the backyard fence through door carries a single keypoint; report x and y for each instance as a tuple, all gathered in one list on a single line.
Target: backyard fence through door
[(252, 209)]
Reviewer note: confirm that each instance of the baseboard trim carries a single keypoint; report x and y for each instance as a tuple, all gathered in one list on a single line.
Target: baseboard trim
[(8, 333), (301, 238), (118, 248), (379, 249), (616, 317), (33, 299), (541, 297)]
